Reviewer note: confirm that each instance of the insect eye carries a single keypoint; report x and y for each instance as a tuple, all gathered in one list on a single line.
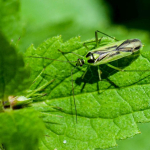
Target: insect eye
[(91, 61)]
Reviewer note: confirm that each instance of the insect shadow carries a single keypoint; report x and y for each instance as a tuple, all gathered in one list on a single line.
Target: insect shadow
[(91, 75)]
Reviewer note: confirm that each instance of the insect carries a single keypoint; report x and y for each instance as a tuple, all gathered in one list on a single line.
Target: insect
[(108, 53), (103, 55)]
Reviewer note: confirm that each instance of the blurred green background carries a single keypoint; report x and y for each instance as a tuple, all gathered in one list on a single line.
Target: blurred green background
[(33, 21)]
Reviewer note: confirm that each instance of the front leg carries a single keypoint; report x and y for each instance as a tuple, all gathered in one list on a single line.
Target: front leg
[(99, 73)]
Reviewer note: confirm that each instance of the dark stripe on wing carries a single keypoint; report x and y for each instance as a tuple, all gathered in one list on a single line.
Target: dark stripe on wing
[(101, 57), (124, 44)]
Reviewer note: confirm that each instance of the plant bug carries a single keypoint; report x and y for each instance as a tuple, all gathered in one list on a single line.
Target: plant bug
[(102, 55), (108, 53)]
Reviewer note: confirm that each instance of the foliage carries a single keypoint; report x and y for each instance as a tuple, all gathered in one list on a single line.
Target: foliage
[(10, 24), (106, 110), (16, 125)]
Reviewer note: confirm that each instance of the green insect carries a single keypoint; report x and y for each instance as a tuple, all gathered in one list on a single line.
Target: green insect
[(108, 53), (103, 55)]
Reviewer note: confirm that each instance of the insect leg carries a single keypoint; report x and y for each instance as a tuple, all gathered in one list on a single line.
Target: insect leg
[(83, 75), (90, 43), (99, 73), (98, 40), (96, 35), (116, 68), (88, 68)]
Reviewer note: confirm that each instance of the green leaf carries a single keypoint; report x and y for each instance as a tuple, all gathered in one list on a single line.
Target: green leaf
[(107, 110), (20, 129), (14, 76), (10, 20)]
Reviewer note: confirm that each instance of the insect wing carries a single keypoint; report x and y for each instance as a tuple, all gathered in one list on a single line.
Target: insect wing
[(113, 52), (130, 45)]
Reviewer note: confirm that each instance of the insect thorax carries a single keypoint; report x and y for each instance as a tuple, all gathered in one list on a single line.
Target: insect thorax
[(90, 57)]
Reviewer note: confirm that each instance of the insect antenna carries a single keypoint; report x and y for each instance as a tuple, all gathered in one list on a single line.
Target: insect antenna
[(73, 91), (49, 58), (70, 52)]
